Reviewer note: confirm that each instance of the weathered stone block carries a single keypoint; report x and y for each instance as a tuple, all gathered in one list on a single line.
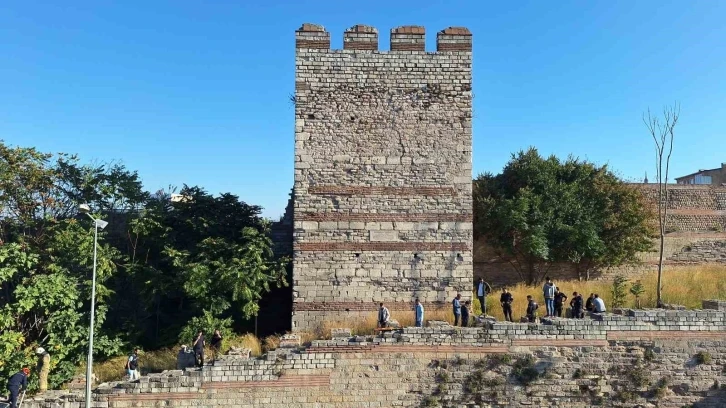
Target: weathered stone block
[(290, 341), (340, 333)]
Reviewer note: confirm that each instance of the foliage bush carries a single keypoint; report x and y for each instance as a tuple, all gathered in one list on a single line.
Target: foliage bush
[(649, 354), (618, 291), (524, 370), (639, 376), (208, 323), (703, 357)]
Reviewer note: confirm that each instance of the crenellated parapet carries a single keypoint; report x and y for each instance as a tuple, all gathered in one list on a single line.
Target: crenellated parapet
[(409, 38)]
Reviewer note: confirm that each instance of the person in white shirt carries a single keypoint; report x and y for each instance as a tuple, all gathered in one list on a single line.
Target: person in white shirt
[(383, 316), (599, 304)]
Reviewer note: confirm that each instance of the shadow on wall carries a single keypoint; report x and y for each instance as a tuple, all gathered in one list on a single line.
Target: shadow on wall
[(716, 398)]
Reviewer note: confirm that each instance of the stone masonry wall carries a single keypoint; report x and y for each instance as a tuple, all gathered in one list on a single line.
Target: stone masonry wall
[(644, 358), (382, 195)]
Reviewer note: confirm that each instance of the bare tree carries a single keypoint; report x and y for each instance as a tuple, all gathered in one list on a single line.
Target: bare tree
[(663, 131)]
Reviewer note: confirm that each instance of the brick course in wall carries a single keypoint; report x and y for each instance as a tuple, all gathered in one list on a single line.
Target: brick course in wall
[(382, 195)]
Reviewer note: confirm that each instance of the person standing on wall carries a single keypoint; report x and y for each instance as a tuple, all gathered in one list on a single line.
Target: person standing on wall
[(560, 299), (198, 347), (506, 301), (43, 368), (383, 316), (419, 313), (482, 288), (132, 365), (456, 304), (549, 295), (216, 345), (18, 382)]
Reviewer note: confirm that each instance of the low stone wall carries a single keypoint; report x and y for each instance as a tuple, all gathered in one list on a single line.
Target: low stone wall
[(664, 358)]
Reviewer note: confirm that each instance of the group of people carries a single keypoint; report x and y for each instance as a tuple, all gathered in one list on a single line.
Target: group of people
[(555, 301)]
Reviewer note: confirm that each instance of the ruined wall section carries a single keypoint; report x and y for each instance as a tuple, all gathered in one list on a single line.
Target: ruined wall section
[(383, 207), (692, 208), (663, 358)]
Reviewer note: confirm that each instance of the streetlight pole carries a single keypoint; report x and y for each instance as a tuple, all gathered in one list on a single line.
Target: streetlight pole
[(97, 223)]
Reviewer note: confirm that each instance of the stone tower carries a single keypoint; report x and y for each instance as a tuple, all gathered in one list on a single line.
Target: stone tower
[(382, 196)]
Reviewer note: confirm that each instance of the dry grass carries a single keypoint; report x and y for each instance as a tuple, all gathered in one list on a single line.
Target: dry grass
[(248, 341), (684, 285), (149, 362)]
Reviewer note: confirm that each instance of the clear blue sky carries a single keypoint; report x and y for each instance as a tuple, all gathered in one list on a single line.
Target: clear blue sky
[(197, 92)]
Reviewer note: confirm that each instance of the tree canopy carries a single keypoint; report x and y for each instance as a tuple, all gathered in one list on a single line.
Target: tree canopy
[(163, 267), (540, 211)]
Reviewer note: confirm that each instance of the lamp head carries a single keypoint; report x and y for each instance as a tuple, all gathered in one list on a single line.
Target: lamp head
[(84, 209)]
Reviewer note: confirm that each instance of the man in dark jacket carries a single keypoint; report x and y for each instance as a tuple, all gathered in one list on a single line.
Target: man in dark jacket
[(588, 304), (576, 306), (560, 299), (198, 347), (532, 307), (506, 301), (216, 345), (18, 382), (482, 288), (465, 314)]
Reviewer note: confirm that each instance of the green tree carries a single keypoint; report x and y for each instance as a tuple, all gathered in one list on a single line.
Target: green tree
[(45, 269), (540, 211), (199, 254), (637, 290), (163, 265), (618, 291)]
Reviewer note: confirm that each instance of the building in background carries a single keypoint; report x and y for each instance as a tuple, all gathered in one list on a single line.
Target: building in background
[(715, 177)]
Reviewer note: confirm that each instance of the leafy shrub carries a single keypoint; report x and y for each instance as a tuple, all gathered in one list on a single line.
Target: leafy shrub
[(524, 370), (660, 388), (430, 402), (207, 323), (619, 291), (649, 354), (703, 357), (473, 383), (494, 382), (639, 376), (626, 396), (499, 359)]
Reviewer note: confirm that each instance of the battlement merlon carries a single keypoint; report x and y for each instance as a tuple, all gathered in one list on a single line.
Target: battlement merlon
[(362, 37)]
